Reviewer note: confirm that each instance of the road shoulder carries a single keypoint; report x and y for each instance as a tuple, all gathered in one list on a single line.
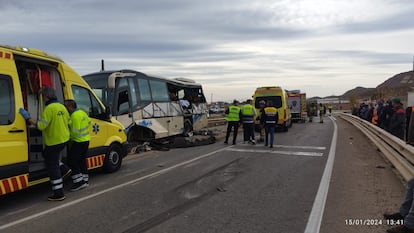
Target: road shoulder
[(363, 186)]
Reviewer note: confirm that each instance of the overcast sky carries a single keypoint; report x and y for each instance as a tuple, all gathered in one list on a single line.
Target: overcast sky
[(322, 47)]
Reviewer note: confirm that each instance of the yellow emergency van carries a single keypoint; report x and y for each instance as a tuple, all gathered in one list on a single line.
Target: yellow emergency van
[(23, 72), (279, 98)]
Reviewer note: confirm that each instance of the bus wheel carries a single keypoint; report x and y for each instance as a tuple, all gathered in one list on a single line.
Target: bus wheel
[(113, 158)]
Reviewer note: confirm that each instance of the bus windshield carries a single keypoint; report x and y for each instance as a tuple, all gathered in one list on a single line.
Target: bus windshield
[(99, 84)]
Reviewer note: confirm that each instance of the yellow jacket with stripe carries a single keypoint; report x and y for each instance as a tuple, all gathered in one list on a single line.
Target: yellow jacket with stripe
[(54, 123), (79, 126)]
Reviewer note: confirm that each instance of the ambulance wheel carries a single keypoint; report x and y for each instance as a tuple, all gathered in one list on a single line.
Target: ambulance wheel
[(113, 158), (285, 127)]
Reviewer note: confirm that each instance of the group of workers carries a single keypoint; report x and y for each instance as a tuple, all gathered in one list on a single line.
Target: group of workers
[(63, 125), (313, 110), (245, 114)]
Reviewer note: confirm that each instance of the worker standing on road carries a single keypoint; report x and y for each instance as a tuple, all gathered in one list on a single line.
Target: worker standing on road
[(79, 143), (54, 123), (262, 105), (248, 112), (404, 219), (269, 120), (233, 115), (321, 113), (311, 111), (330, 107)]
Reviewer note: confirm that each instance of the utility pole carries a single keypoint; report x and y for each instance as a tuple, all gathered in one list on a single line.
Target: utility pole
[(102, 65)]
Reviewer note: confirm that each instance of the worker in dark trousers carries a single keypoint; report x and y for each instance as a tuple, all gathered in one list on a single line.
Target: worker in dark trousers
[(79, 143), (262, 105), (53, 123), (269, 118), (233, 115), (321, 113), (403, 220), (248, 112)]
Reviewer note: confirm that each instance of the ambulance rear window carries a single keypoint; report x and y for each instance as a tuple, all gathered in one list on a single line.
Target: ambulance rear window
[(7, 111), (276, 101)]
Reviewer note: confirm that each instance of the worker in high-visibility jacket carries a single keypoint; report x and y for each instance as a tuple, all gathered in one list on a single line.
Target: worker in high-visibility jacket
[(269, 118), (78, 146), (248, 112), (321, 113), (233, 115), (330, 107), (53, 123)]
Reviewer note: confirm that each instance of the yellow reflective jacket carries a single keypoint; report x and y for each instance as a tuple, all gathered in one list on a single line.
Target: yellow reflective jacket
[(248, 112), (54, 123), (79, 126), (233, 113)]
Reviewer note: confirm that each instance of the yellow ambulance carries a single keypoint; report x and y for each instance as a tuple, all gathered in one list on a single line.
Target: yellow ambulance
[(23, 72), (279, 98)]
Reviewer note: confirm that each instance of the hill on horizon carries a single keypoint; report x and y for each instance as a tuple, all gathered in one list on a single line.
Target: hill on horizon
[(396, 86)]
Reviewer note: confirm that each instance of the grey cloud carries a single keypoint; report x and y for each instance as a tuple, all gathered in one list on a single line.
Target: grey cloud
[(179, 37), (370, 57), (401, 21)]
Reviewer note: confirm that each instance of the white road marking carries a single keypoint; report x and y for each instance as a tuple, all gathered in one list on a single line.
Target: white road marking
[(67, 204), (316, 215), (290, 147), (269, 151)]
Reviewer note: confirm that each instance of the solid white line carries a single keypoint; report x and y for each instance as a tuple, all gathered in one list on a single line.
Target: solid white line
[(316, 215), (303, 153), (301, 147), (292, 147), (67, 204)]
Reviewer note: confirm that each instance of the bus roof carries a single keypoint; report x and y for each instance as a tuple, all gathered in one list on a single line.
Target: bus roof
[(176, 81)]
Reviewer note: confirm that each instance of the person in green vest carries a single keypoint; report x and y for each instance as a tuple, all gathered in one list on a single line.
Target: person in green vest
[(53, 122), (321, 113), (78, 146), (248, 112), (233, 116), (330, 107)]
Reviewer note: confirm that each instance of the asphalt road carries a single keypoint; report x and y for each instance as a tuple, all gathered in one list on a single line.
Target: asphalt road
[(225, 188)]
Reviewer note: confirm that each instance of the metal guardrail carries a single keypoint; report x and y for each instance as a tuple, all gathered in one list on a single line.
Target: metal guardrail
[(400, 154), (216, 121)]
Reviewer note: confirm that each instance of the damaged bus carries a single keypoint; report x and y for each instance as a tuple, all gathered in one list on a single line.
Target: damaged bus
[(150, 107)]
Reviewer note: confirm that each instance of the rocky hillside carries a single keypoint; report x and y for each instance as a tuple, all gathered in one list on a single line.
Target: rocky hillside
[(398, 85), (360, 93)]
